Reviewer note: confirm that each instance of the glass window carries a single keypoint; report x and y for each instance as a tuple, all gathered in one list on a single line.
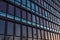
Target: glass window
[(42, 32), (18, 0), (18, 12), (28, 3), (17, 30), (2, 6), (24, 31), (24, 2), (2, 26), (34, 33), (37, 18), (39, 34), (33, 8), (10, 28), (1, 37), (36, 8), (23, 14), (29, 32), (46, 35), (11, 9), (17, 38), (29, 16), (33, 18), (9, 38), (29, 38)]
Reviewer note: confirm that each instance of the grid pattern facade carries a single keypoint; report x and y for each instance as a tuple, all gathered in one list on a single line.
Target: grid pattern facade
[(29, 20)]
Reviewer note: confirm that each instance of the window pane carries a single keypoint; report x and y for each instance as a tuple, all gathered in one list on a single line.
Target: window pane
[(11, 9), (9, 38), (28, 16), (17, 30), (10, 28), (33, 18), (24, 2), (29, 38), (18, 12), (24, 31), (23, 14), (39, 34), (32, 6), (2, 26), (24, 38), (2, 6), (34, 33), (17, 38), (29, 32), (28, 3), (1, 37)]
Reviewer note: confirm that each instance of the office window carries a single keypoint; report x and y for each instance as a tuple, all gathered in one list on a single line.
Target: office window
[(11, 9), (29, 32), (24, 31), (3, 6), (36, 6), (28, 3), (39, 34), (46, 36), (18, 0), (17, 38), (33, 7), (40, 10), (33, 18), (44, 4), (37, 19), (28, 16), (9, 38), (2, 26), (10, 28), (24, 2), (34, 33), (42, 32), (1, 37), (23, 14), (17, 29), (18, 12), (29, 38)]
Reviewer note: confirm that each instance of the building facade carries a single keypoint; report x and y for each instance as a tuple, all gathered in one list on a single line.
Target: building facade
[(29, 20)]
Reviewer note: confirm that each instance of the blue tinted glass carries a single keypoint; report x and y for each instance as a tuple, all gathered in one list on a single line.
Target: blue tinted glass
[(2, 6), (24, 2), (11, 10), (33, 6), (23, 14), (33, 18), (17, 30), (18, 12), (29, 32), (18, 0), (28, 3), (11, 0), (36, 8), (24, 31), (2, 26), (10, 28)]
